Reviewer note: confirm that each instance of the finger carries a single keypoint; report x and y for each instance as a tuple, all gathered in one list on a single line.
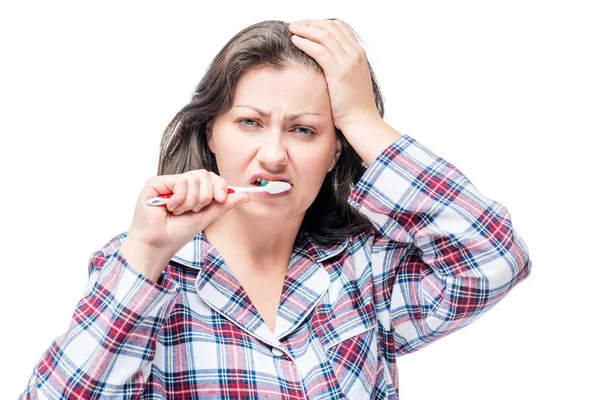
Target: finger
[(219, 187), (157, 186), (215, 209), (316, 51), (351, 43), (179, 188), (206, 190), (332, 27), (191, 198), (313, 38), (232, 200), (350, 34)]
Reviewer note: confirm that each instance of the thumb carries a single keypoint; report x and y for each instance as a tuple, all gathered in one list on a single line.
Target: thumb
[(233, 199), (215, 209)]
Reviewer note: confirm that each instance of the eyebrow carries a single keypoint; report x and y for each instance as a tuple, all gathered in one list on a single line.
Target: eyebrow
[(289, 117)]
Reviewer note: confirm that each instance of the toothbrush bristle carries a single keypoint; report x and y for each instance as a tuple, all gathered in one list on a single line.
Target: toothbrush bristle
[(265, 182)]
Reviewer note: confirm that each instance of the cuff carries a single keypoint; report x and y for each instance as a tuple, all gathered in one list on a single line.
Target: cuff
[(130, 290)]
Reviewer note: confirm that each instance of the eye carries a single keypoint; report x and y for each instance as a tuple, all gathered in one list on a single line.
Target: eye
[(308, 131), (242, 121), (245, 119)]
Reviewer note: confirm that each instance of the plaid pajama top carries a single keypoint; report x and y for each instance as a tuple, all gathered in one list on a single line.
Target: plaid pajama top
[(443, 255)]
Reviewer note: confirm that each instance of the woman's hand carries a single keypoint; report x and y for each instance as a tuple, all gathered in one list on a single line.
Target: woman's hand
[(157, 233), (333, 45)]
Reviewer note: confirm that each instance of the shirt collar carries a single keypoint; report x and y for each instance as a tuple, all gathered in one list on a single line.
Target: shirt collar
[(192, 254), (305, 283)]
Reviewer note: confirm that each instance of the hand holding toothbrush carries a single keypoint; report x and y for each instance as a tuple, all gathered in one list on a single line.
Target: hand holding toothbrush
[(158, 233), (272, 187)]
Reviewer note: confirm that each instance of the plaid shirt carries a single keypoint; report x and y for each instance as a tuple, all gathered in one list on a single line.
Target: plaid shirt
[(443, 255)]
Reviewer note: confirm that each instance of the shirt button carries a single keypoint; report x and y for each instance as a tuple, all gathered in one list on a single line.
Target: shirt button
[(276, 352)]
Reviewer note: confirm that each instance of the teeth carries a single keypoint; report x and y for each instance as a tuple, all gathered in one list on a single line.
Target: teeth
[(261, 182)]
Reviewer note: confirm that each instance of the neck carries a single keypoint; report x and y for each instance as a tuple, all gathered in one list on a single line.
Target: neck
[(256, 243)]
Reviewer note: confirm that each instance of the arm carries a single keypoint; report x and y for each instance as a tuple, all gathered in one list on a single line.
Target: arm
[(443, 254), (107, 351)]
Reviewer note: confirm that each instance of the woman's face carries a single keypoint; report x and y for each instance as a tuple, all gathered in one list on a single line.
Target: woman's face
[(280, 124)]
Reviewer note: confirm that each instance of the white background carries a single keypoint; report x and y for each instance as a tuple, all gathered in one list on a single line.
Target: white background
[(509, 92)]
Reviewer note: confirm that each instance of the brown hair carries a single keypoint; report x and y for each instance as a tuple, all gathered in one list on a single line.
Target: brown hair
[(184, 146)]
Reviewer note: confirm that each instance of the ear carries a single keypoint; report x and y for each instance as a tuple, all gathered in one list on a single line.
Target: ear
[(338, 152), (209, 135)]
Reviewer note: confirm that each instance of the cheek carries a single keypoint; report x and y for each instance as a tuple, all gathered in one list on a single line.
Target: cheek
[(315, 168), (231, 159), (229, 143)]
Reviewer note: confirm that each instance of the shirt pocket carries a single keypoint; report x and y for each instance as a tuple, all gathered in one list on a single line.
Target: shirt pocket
[(349, 341)]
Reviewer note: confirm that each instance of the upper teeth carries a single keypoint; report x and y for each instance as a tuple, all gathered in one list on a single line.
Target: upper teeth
[(261, 180)]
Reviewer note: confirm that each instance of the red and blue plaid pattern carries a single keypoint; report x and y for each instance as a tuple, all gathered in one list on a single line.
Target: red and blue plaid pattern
[(442, 255)]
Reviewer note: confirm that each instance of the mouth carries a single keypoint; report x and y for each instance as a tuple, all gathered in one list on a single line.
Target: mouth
[(263, 181)]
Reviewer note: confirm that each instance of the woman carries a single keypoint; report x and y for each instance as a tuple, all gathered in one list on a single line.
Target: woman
[(379, 248)]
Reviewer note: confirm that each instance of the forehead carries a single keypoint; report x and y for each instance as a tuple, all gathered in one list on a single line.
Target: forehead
[(289, 88)]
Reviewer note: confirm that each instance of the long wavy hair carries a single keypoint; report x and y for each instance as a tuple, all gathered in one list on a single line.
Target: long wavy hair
[(184, 146)]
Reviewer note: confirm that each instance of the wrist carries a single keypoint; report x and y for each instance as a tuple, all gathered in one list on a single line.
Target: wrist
[(359, 120), (144, 259)]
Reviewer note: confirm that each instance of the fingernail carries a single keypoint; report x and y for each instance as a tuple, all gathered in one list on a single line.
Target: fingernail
[(245, 200), (221, 194), (197, 208)]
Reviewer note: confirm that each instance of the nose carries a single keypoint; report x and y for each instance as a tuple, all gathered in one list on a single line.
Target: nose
[(272, 150)]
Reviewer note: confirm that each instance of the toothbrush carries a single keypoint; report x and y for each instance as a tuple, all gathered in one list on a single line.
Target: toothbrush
[(271, 187)]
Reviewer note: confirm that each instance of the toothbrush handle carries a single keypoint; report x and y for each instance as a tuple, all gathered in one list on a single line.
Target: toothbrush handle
[(162, 199), (234, 189)]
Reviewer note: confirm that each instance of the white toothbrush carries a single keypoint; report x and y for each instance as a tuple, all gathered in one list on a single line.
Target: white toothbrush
[(273, 187)]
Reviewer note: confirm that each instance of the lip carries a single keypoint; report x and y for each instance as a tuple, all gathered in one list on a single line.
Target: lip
[(270, 177)]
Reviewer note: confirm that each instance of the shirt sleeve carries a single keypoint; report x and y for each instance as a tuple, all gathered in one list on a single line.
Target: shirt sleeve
[(443, 253), (109, 346)]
